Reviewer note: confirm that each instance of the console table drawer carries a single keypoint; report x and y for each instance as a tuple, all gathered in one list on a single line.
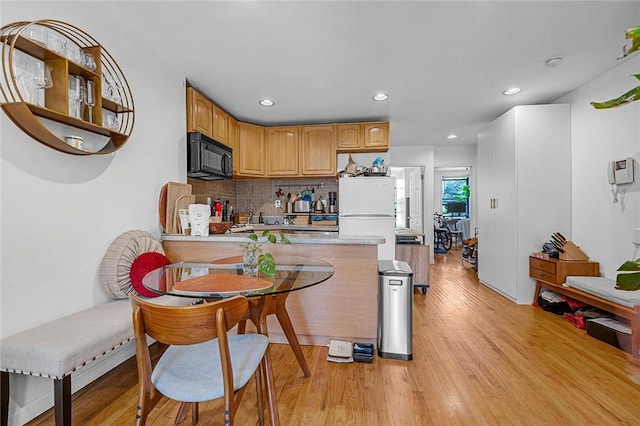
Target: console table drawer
[(542, 265), (538, 274), (555, 271)]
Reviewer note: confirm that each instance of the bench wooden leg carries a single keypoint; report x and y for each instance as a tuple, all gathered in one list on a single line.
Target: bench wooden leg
[(62, 397), (4, 398)]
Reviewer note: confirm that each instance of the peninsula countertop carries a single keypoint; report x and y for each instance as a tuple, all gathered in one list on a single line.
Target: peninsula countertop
[(310, 238)]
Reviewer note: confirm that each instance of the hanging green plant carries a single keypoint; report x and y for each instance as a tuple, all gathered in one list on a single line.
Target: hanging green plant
[(633, 34), (630, 278)]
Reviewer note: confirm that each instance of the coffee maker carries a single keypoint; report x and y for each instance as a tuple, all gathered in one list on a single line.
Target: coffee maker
[(333, 196)]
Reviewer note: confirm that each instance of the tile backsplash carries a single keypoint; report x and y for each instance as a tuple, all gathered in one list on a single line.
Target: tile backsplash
[(259, 195)]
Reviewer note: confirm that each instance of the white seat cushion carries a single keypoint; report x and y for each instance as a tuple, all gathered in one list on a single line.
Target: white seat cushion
[(58, 348), (193, 373), (606, 289)]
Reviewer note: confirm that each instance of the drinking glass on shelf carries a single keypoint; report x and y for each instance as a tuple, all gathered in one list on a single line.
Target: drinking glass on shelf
[(76, 96), (56, 42), (37, 33), (110, 120), (89, 98), (90, 62), (41, 80), (74, 53)]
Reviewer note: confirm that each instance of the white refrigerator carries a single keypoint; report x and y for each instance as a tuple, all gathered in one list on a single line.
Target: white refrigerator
[(366, 206)]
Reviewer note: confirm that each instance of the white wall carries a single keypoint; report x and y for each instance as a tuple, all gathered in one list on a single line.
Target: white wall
[(60, 212), (602, 228)]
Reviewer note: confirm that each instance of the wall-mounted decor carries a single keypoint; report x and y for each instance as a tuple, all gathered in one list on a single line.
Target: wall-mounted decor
[(633, 34), (61, 87)]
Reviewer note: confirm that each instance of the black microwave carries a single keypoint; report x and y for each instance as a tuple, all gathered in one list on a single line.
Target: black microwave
[(208, 159)]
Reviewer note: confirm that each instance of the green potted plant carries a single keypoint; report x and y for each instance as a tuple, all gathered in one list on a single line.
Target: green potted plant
[(629, 279), (253, 257)]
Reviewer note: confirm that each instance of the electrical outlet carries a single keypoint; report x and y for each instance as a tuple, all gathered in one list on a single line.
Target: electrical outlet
[(277, 203)]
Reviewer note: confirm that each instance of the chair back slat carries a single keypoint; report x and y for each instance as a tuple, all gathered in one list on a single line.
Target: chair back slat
[(187, 325)]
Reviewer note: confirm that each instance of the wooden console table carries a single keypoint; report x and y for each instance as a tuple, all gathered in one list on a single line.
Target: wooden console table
[(552, 273)]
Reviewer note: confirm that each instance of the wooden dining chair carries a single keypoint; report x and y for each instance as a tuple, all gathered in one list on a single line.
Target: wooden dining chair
[(202, 361)]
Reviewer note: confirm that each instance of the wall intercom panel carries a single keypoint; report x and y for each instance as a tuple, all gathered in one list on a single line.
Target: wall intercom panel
[(621, 171)]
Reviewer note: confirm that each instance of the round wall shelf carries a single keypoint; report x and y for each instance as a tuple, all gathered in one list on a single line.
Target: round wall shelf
[(62, 88)]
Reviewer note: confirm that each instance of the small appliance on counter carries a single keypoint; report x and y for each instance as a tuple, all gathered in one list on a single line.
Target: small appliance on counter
[(199, 217), (333, 196)]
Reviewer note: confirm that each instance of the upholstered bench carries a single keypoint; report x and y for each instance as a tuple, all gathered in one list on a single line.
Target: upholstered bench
[(61, 347), (57, 349), (601, 292)]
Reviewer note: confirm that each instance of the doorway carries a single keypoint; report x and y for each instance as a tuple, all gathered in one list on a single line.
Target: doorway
[(409, 211)]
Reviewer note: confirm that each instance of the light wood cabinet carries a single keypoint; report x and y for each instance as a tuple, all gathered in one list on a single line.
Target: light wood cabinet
[(519, 203), (318, 150), (350, 137), (199, 113), (220, 125), (363, 137), (376, 135), (233, 142), (251, 150), (283, 151)]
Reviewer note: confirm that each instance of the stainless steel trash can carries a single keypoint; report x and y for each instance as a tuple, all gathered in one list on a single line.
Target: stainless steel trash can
[(395, 310)]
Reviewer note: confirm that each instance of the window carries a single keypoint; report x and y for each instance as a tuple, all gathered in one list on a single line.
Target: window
[(455, 196)]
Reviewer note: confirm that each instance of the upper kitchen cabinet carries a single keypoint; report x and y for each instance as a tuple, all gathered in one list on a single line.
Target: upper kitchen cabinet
[(376, 136), (318, 150), (363, 137), (519, 204), (221, 125), (283, 153), (233, 142), (251, 150), (350, 137), (200, 113), (59, 81)]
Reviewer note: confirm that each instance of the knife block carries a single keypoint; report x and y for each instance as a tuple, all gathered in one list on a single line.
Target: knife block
[(572, 252)]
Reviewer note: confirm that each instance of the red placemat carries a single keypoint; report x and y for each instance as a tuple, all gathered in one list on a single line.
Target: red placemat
[(223, 284)]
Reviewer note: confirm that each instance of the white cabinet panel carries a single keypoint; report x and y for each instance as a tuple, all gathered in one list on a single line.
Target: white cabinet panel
[(524, 185)]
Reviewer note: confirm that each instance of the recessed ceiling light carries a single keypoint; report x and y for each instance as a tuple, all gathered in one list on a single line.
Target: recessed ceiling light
[(452, 136), (380, 97), (511, 91), (553, 62), (266, 102)]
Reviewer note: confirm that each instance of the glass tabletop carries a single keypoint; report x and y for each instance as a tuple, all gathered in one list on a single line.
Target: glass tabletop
[(224, 278)]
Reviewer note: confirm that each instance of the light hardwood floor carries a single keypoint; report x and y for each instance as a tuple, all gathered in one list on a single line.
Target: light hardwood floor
[(478, 359)]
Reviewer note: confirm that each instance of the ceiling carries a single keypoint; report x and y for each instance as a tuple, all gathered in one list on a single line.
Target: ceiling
[(443, 64)]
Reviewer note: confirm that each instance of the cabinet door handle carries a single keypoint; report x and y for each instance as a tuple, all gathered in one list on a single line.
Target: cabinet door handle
[(495, 203)]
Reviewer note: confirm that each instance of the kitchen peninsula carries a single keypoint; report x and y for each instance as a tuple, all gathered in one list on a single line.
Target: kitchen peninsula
[(343, 307)]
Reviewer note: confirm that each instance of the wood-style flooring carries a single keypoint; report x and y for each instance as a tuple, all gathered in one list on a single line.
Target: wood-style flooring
[(478, 359)]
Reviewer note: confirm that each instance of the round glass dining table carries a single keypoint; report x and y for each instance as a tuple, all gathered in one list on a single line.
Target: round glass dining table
[(224, 278), (267, 295)]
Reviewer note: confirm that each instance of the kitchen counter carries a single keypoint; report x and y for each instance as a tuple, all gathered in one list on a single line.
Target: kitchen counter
[(310, 238), (287, 228), (345, 307)]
